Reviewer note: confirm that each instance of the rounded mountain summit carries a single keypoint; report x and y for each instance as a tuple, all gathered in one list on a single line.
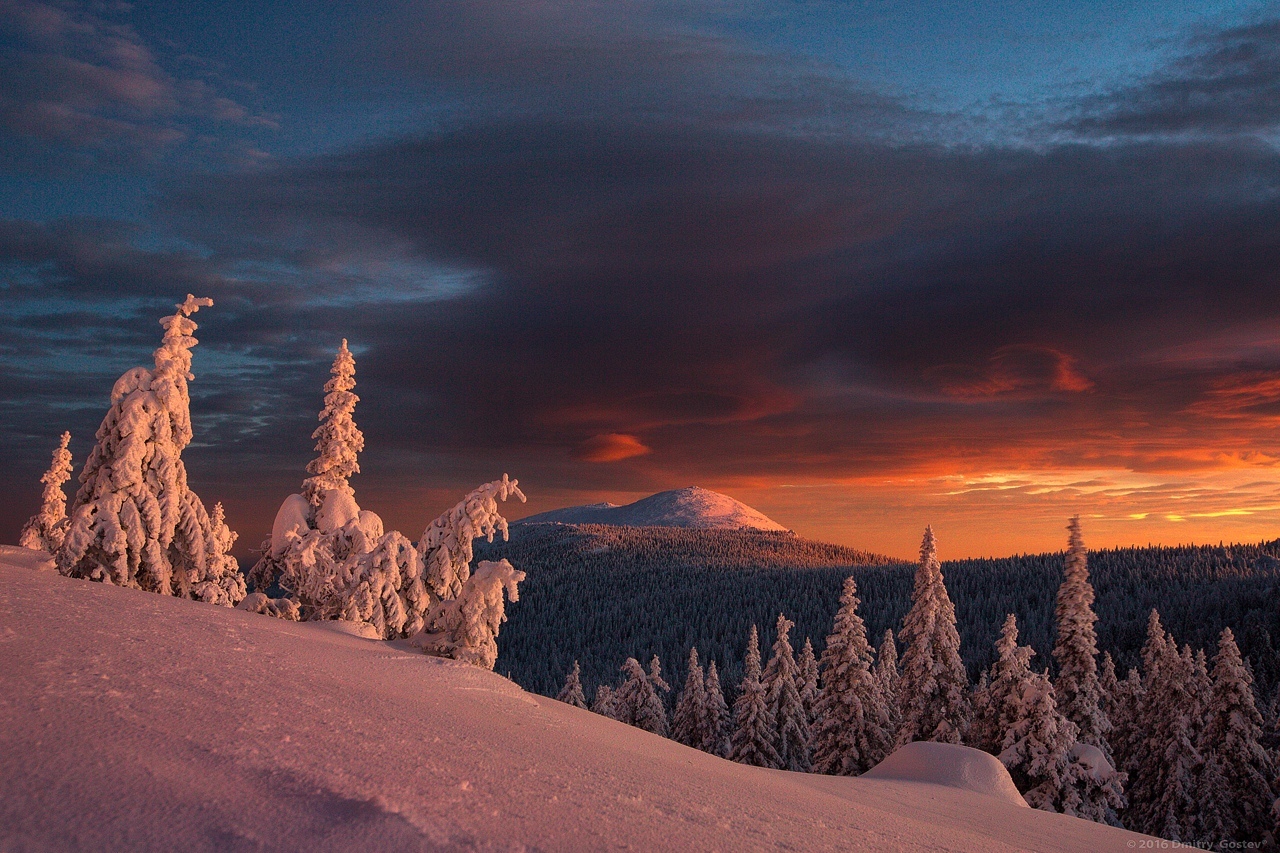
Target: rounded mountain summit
[(691, 507)]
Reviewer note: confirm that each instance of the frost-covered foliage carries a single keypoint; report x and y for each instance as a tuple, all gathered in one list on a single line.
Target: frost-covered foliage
[(46, 529), (446, 544), (852, 733), (887, 675), (933, 690), (135, 522), (1236, 788), (571, 693), (1164, 764), (466, 628), (1076, 648), (688, 723), (338, 439), (755, 729), (715, 731), (807, 680), (604, 704), (783, 696), (637, 702), (280, 608)]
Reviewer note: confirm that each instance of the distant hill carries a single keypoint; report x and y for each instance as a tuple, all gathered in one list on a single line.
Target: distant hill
[(598, 594), (691, 507)]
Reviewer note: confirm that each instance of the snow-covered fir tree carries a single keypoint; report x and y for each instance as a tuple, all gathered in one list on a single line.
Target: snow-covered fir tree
[(887, 674), (1001, 696), (715, 732), (807, 680), (754, 727), (637, 703), (135, 522), (1236, 792), (571, 693), (1076, 648), (688, 724), (1164, 766), (45, 530), (1108, 684), (852, 731), (604, 703), (783, 696), (933, 688), (466, 628), (338, 439), (655, 678)]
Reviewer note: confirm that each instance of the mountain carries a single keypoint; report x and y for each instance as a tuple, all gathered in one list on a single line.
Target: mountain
[(692, 507), (135, 721)]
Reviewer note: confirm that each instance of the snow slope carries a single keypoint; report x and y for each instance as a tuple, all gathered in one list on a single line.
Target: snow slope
[(133, 721), (688, 507)]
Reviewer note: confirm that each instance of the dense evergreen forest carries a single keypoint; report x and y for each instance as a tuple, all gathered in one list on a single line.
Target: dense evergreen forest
[(600, 594)]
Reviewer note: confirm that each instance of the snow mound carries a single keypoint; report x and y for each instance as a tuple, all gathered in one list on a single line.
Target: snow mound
[(951, 766), (26, 558), (290, 518), (690, 507)]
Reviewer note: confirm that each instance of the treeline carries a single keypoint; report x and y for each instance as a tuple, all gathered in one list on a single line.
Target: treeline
[(600, 594)]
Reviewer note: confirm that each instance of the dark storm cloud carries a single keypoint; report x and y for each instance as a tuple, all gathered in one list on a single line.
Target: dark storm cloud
[(1227, 83)]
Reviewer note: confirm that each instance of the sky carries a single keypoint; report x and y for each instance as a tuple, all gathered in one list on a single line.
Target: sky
[(865, 266)]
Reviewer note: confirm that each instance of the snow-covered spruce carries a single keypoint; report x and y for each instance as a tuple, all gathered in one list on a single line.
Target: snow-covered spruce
[(466, 628), (887, 675), (715, 732), (1076, 648), (782, 692), (135, 522), (807, 680), (637, 702), (1164, 763), (688, 723), (605, 703), (1236, 793), (852, 731), (933, 686), (754, 727), (45, 530), (338, 439), (571, 693)]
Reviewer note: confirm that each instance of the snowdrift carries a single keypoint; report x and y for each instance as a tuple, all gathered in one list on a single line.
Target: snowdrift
[(953, 766), (130, 720)]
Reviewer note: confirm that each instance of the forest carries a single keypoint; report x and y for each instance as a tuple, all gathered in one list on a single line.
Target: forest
[(663, 590)]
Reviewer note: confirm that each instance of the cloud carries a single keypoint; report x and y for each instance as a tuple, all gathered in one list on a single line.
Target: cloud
[(81, 78), (611, 447), (1227, 83)]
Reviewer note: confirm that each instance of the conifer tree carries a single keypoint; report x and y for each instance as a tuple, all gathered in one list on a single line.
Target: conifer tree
[(1108, 685), (1076, 648), (689, 721), (715, 732), (887, 675), (852, 733), (46, 529), (1001, 699), (135, 522), (807, 680), (755, 728), (637, 703), (1164, 766), (1236, 794), (933, 686), (571, 693), (783, 695), (338, 439), (605, 703), (655, 678)]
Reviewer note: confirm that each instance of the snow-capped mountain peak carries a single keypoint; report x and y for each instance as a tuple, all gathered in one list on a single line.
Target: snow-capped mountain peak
[(692, 507)]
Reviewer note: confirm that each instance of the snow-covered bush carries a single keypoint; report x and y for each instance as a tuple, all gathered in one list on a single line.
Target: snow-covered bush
[(571, 693), (135, 522), (280, 608), (46, 529)]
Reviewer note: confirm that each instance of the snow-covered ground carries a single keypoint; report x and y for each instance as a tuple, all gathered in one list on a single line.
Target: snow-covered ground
[(688, 507), (133, 721)]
